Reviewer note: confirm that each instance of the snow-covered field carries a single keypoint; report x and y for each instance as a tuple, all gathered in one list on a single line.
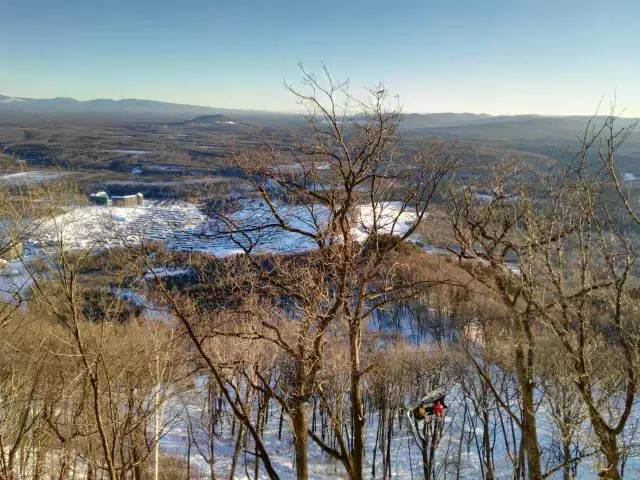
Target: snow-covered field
[(25, 178), (106, 226), (390, 218), (182, 226)]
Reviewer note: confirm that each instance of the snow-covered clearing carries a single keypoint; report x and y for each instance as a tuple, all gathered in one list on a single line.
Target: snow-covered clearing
[(26, 178), (182, 226), (167, 272), (390, 218), (107, 226)]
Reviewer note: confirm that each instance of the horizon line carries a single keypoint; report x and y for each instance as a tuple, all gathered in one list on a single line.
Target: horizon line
[(299, 113)]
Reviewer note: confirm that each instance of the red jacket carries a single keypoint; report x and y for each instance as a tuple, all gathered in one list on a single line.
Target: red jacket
[(438, 409)]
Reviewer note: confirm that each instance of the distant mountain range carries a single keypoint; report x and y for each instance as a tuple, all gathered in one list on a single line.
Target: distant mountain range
[(522, 127), (133, 110), (140, 110), (520, 130)]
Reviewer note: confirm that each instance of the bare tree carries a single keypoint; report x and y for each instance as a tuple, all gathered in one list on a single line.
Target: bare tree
[(551, 245), (349, 198), (484, 230)]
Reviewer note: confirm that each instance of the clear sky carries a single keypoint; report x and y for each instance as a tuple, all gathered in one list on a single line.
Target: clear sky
[(492, 56)]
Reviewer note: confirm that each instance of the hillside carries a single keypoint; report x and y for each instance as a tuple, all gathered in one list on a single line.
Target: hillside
[(14, 109), (207, 120)]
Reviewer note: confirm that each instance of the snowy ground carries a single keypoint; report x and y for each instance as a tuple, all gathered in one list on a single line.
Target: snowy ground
[(106, 226), (26, 178), (391, 218), (182, 226), (458, 441), (129, 152), (405, 456)]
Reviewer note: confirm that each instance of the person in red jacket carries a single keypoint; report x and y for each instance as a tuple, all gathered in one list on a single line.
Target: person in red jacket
[(438, 409)]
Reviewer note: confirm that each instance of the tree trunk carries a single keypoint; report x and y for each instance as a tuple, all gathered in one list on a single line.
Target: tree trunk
[(424, 449), (236, 451), (529, 430), (609, 447), (357, 405), (486, 445), (566, 450), (300, 436), (387, 458), (606, 436)]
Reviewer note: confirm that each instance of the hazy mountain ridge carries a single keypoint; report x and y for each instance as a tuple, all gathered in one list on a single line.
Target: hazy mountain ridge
[(185, 112), (548, 135), (131, 109), (528, 130)]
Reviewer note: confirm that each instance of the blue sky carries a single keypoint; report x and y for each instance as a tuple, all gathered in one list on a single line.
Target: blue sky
[(491, 56)]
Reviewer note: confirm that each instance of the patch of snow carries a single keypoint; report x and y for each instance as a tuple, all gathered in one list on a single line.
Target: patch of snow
[(485, 197), (128, 152), (25, 178), (150, 310), (390, 218), (489, 197), (123, 197), (108, 226), (167, 272), (434, 250)]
